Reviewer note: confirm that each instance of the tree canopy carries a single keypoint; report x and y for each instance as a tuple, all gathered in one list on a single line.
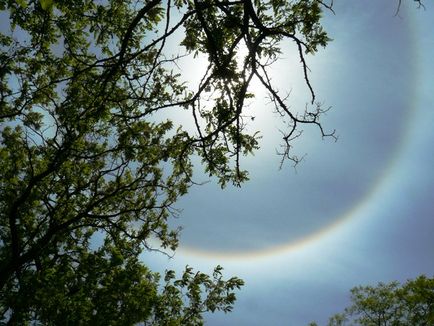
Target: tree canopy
[(85, 152), (411, 303)]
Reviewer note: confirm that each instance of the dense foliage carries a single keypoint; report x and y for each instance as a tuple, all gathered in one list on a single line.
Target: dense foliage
[(89, 167)]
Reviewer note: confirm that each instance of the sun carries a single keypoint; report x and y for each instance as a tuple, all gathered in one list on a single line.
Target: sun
[(258, 111), (255, 86)]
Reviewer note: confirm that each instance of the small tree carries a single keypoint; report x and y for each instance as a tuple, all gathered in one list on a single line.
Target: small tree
[(390, 304)]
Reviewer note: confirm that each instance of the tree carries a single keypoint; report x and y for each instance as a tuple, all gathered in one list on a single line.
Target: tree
[(390, 304), (86, 154)]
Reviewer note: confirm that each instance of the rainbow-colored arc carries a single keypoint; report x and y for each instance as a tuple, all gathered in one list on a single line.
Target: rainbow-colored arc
[(358, 209)]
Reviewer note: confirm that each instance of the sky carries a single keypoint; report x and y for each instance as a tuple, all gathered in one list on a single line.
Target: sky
[(354, 212)]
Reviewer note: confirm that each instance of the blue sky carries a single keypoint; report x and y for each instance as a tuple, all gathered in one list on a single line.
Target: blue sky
[(354, 212)]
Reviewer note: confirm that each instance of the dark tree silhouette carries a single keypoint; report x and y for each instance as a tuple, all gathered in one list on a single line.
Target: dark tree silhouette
[(85, 152)]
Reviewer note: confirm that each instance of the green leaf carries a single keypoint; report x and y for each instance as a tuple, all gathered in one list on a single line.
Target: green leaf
[(46, 4), (22, 3)]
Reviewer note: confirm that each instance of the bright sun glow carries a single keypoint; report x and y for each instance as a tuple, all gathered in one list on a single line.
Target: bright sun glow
[(255, 86)]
